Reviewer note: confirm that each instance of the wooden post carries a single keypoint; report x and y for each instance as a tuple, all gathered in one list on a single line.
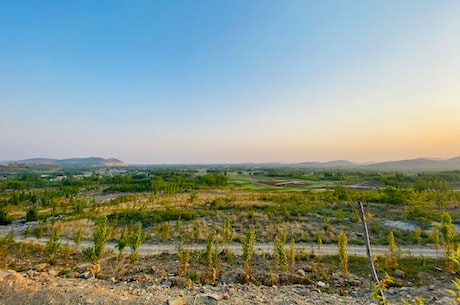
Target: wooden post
[(368, 249)]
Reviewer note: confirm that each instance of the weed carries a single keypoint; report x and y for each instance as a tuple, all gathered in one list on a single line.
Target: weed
[(77, 237), (163, 230), (66, 253)]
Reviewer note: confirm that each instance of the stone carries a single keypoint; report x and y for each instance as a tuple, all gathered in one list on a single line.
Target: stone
[(399, 273), (321, 284), (300, 272), (83, 268), (53, 272), (175, 301), (167, 283), (14, 279), (181, 282), (86, 275), (72, 275), (40, 267)]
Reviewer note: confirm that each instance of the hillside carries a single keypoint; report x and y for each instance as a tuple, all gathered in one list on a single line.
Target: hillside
[(90, 161)]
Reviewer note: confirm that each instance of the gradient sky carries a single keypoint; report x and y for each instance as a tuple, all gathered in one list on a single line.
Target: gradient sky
[(230, 81)]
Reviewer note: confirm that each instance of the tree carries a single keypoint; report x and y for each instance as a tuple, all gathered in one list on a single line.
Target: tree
[(447, 233), (343, 254), (100, 236), (134, 241), (248, 251)]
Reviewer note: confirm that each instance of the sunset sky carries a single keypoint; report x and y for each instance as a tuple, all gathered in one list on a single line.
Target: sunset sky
[(230, 81)]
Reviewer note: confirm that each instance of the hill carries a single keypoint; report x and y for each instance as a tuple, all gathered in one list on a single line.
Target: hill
[(90, 161), (419, 164)]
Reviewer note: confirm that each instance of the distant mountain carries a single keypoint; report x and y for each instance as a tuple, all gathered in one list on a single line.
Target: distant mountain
[(335, 163), (91, 161), (419, 164), (410, 164), (339, 163)]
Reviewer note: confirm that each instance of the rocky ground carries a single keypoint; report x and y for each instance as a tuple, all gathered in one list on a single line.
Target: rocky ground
[(44, 285)]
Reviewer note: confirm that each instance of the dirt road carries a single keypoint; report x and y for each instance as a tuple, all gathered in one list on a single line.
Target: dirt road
[(150, 248)]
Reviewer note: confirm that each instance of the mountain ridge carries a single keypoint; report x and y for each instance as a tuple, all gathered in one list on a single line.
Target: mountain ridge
[(406, 164), (93, 161)]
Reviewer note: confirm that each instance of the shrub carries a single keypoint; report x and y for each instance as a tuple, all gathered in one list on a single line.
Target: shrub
[(4, 219), (32, 214)]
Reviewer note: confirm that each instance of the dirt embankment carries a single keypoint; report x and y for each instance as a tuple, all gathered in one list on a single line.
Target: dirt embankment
[(46, 287)]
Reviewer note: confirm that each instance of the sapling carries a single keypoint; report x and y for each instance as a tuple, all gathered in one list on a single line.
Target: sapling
[(210, 256), (100, 236), (196, 231), (279, 255), (78, 236), (183, 257), (292, 252), (343, 254), (210, 274), (226, 232), (121, 244), (134, 241), (248, 251), (53, 245), (391, 260), (418, 239), (447, 233), (434, 237), (66, 253)]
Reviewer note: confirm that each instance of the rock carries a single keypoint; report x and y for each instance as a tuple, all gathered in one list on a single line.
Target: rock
[(82, 268), (321, 284), (167, 283), (32, 274), (86, 275), (13, 279), (270, 279), (399, 273), (300, 272), (53, 272), (175, 301), (290, 279), (207, 299), (72, 275), (213, 297), (40, 267), (181, 282)]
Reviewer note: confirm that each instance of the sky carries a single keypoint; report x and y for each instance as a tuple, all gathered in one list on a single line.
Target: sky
[(230, 81)]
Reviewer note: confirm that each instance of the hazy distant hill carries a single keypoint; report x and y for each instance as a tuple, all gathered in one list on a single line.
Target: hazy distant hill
[(410, 164), (91, 161), (335, 163), (419, 164)]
